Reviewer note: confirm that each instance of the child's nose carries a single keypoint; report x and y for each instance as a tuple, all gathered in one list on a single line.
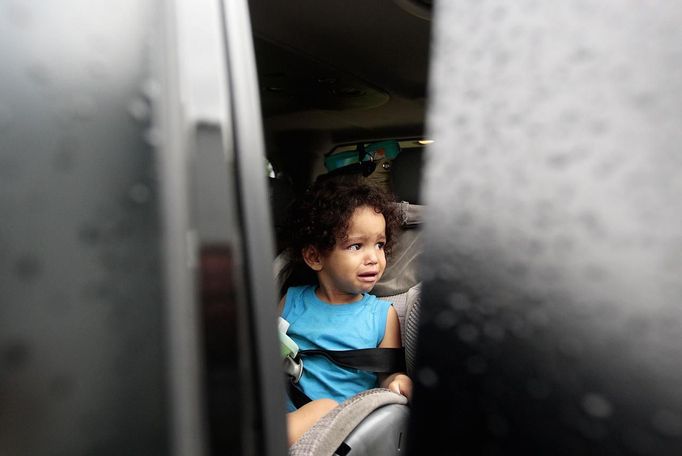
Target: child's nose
[(371, 257)]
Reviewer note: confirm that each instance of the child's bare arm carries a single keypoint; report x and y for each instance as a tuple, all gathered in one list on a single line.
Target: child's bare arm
[(398, 381)]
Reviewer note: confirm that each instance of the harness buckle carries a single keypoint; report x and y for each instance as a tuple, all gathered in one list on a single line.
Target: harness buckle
[(293, 367)]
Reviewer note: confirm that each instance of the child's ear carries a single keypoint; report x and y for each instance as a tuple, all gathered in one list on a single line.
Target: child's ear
[(312, 258)]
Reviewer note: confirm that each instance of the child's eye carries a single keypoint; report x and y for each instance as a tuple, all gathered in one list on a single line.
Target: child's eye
[(354, 247), (381, 245)]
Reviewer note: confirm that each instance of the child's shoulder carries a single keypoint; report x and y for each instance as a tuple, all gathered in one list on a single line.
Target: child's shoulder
[(378, 303), (374, 297), (297, 293), (297, 290)]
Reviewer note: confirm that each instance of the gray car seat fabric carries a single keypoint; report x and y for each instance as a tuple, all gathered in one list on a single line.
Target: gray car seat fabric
[(382, 433), (401, 272), (407, 306), (409, 327), (329, 433)]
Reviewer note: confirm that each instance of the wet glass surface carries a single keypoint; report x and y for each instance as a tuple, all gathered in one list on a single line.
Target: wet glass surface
[(81, 358), (551, 317)]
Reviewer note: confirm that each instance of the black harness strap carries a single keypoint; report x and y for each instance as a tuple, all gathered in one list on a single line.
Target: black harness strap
[(298, 397), (378, 360)]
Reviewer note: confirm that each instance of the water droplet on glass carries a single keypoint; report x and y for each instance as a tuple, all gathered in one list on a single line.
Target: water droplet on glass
[(643, 100), (97, 69), (83, 108), (498, 425), (459, 302), (63, 160), (445, 320), (97, 290), (19, 14), (15, 355), (65, 157), (467, 333), (519, 328), (571, 348), (595, 273), (639, 441), (560, 160), (27, 267), (139, 193), (537, 389), (61, 387), (151, 89), (499, 13), (427, 377), (593, 430), (597, 405), (591, 222), (599, 127), (427, 273), (89, 234), (667, 423), (139, 109), (153, 137), (494, 331), (518, 269), (538, 317), (476, 365), (9, 169), (38, 73), (5, 117)]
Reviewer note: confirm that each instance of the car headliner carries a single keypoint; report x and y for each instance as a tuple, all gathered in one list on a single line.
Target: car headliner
[(344, 71)]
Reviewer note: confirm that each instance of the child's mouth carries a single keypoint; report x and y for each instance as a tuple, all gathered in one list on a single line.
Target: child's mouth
[(368, 276)]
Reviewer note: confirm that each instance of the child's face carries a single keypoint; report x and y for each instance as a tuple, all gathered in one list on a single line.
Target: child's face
[(356, 264)]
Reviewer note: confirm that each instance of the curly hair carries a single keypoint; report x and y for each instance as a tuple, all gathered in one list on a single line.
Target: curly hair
[(321, 217)]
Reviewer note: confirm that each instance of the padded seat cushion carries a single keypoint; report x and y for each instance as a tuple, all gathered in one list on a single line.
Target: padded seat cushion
[(329, 432)]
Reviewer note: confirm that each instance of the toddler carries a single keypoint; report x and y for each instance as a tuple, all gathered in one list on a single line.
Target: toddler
[(341, 233)]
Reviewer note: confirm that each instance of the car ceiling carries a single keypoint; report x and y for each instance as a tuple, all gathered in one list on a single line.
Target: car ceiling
[(349, 70)]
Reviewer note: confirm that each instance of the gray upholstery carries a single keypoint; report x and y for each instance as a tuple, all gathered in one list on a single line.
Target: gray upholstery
[(407, 306), (409, 327), (327, 434), (382, 433), (401, 272)]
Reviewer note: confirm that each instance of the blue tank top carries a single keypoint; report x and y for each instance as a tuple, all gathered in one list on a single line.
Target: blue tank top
[(315, 324)]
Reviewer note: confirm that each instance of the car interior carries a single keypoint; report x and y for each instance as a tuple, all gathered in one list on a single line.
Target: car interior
[(335, 85), (330, 75), (149, 152)]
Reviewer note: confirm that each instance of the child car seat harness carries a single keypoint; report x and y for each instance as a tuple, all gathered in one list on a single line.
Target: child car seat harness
[(377, 360)]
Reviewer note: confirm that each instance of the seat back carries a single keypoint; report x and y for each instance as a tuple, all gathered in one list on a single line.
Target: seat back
[(407, 306), (400, 283)]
